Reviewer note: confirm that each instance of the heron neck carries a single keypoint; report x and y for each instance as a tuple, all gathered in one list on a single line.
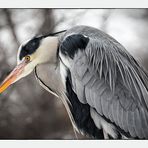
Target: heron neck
[(49, 78)]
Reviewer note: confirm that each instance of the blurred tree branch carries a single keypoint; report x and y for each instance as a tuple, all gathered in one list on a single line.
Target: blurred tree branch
[(48, 22), (105, 18), (7, 13)]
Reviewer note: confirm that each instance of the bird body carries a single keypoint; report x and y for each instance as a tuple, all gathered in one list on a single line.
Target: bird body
[(103, 88)]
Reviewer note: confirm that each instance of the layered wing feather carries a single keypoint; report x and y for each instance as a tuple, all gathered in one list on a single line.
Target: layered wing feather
[(105, 76)]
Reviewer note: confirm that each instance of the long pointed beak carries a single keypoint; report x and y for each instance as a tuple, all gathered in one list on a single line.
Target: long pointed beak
[(13, 76)]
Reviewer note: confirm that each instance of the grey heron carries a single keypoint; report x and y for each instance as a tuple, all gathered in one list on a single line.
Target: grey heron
[(104, 89)]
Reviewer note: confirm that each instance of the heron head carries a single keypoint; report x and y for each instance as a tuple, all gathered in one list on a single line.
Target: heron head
[(35, 51)]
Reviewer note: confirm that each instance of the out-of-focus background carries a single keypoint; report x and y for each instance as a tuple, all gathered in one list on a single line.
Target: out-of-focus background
[(27, 111)]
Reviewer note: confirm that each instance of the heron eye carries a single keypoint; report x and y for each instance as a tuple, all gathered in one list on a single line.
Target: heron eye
[(27, 58)]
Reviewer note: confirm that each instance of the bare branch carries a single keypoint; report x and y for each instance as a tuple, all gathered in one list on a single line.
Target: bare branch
[(11, 25)]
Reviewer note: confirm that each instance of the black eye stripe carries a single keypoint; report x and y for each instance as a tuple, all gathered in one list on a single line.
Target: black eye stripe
[(29, 48), (32, 44)]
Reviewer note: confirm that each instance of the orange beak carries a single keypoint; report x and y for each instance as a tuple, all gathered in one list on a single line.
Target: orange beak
[(13, 76)]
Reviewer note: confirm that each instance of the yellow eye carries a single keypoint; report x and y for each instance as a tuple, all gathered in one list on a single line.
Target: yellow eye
[(27, 58)]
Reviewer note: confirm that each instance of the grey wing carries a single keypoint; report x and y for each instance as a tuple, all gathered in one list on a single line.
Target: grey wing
[(110, 80)]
